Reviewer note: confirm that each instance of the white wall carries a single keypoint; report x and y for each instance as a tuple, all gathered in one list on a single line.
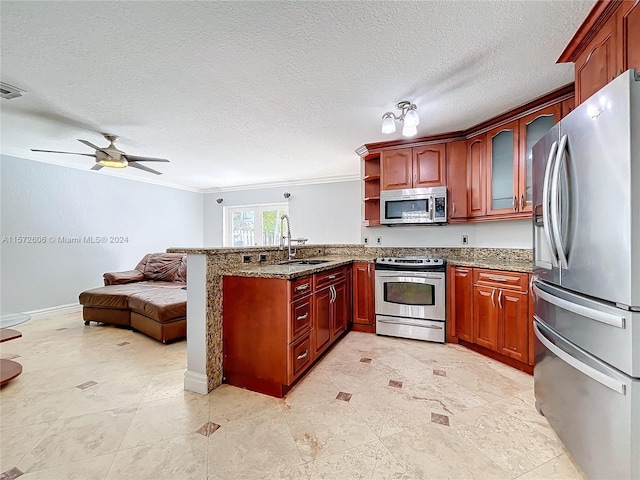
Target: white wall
[(323, 213), (504, 234), (43, 200)]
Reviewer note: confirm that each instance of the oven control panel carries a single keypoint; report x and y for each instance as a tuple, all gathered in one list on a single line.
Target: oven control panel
[(411, 263)]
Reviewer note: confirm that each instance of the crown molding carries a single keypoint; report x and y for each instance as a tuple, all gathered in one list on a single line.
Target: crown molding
[(311, 181)]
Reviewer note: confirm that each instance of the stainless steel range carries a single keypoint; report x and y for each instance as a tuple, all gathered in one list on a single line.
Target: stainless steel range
[(410, 297)]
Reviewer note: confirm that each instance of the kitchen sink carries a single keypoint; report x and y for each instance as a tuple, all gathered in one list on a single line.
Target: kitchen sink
[(304, 262)]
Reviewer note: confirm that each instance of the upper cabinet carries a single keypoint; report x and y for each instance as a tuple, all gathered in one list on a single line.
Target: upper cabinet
[(457, 180), (371, 180), (476, 198), (415, 167), (502, 174), (509, 182), (606, 44)]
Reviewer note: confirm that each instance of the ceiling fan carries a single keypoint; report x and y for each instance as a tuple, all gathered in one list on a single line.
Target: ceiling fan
[(112, 157)]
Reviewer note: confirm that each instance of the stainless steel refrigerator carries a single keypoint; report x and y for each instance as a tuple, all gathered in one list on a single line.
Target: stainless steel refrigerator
[(586, 235)]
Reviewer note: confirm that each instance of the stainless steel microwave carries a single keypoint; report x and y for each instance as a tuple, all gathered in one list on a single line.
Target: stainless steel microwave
[(413, 206)]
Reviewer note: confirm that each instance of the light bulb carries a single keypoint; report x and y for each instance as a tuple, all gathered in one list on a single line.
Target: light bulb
[(388, 124), (408, 131), (411, 118)]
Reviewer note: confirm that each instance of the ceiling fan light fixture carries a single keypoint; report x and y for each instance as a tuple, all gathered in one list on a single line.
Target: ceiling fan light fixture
[(113, 162)]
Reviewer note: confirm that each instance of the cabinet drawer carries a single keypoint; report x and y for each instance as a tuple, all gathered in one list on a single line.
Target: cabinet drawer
[(501, 279), (299, 317), (328, 278), (299, 357), (301, 286)]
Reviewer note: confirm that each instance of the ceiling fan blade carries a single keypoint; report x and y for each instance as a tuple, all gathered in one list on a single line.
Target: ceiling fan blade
[(70, 153), (97, 166), (89, 144), (136, 158), (134, 164)]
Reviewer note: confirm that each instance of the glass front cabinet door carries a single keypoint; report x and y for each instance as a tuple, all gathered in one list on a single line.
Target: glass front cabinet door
[(502, 178)]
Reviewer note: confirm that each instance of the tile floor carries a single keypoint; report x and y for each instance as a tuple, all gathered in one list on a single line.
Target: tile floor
[(100, 402)]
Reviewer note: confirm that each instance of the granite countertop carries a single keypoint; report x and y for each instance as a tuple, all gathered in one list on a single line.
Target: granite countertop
[(288, 271)]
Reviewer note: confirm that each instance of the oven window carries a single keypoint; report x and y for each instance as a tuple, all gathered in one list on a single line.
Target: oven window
[(397, 209), (407, 293)]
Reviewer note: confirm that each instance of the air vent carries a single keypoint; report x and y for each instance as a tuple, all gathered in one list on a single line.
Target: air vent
[(9, 91)]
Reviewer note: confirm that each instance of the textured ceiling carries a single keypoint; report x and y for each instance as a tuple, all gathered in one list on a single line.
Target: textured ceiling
[(241, 93)]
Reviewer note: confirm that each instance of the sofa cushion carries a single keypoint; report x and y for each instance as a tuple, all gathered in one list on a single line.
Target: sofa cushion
[(162, 267), (161, 304), (113, 296)]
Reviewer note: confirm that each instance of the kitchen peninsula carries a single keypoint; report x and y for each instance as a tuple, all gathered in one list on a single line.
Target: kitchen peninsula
[(208, 267)]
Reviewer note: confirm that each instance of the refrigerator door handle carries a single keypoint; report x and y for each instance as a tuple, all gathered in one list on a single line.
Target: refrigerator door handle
[(555, 203), (546, 226), (602, 317), (591, 372)]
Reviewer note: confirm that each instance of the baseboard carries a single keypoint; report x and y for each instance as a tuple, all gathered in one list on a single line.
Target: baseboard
[(54, 311), (196, 382)]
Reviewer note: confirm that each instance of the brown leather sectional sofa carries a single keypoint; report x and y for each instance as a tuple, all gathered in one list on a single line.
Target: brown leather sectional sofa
[(152, 298)]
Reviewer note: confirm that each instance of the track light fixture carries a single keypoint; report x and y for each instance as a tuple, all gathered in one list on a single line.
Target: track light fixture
[(408, 116)]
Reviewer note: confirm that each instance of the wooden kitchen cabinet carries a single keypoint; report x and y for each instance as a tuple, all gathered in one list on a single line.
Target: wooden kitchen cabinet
[(275, 329), (416, 167), (364, 316), (460, 302), (606, 44), (501, 309), (476, 148), (457, 180), (371, 179), (502, 174)]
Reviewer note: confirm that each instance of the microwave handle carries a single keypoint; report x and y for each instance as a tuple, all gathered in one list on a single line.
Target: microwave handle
[(431, 208)]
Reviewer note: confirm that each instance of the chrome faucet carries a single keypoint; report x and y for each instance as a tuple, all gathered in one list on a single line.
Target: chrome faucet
[(287, 236)]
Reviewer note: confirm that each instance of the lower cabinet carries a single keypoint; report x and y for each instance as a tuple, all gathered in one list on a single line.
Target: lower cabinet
[(364, 314), (275, 329), (490, 310)]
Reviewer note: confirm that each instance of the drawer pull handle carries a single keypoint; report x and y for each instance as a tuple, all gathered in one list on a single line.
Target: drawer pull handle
[(302, 287), (302, 355), (499, 279), (331, 277), (302, 317)]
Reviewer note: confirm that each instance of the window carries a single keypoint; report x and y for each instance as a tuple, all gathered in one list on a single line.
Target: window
[(251, 225)]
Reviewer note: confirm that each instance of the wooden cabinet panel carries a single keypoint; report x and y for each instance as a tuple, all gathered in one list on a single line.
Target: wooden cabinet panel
[(329, 277), (462, 303), (477, 176), (363, 296), (301, 286), (397, 169), (532, 128), (513, 338), (630, 26), (322, 305), (567, 106), (340, 310), (500, 279), (429, 166), (502, 169), (485, 317), (300, 357), (457, 179), (599, 64), (299, 318)]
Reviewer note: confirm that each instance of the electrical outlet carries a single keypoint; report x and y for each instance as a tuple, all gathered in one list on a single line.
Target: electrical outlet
[(262, 257), (379, 240), (465, 239), (246, 258), (365, 240)]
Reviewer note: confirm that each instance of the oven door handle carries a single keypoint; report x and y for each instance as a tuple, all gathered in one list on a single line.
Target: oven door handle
[(411, 323), (411, 276)]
